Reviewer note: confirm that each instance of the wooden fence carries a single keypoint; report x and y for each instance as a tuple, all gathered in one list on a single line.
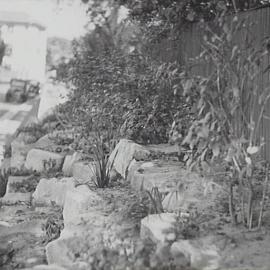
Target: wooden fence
[(189, 45)]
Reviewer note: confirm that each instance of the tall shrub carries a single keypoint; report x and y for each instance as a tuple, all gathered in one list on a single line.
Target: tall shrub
[(127, 90)]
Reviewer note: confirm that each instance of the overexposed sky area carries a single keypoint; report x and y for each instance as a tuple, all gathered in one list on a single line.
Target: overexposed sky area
[(65, 19)]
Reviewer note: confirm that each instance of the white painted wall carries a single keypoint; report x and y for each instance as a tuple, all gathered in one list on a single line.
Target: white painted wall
[(28, 51)]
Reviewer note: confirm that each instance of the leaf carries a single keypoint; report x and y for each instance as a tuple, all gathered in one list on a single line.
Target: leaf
[(252, 150)]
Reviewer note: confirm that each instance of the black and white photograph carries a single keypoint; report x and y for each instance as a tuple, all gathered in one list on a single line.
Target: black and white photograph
[(134, 134)]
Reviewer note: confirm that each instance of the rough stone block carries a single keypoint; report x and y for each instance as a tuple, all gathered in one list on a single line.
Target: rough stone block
[(163, 175), (82, 171), (57, 252), (124, 152), (35, 159), (61, 251), (53, 190), (159, 227), (78, 202)]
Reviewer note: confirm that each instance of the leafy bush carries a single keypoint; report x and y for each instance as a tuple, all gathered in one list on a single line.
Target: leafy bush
[(123, 90)]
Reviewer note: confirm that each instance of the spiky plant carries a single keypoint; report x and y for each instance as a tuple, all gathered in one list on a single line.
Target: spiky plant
[(102, 147)]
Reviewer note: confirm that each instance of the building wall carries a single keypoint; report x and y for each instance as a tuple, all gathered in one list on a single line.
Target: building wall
[(28, 45)]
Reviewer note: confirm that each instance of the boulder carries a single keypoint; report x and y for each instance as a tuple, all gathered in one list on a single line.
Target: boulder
[(35, 160), (78, 202), (124, 152), (202, 254), (69, 163), (17, 198), (159, 227), (82, 171), (52, 190)]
